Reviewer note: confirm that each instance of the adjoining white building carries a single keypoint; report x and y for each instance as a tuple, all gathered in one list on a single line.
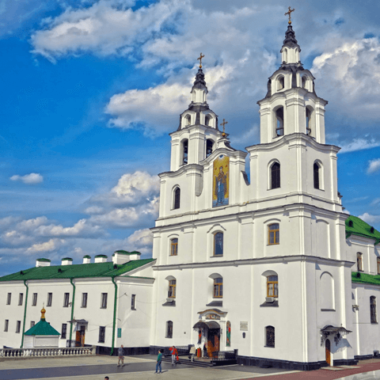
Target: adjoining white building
[(266, 264)]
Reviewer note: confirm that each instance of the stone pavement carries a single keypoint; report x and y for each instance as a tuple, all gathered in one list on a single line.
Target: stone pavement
[(136, 367)]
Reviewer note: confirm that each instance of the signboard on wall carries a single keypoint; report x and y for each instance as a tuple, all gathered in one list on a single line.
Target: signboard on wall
[(119, 332), (243, 326)]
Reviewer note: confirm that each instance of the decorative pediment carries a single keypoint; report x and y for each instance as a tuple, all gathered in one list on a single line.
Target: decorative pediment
[(213, 314)]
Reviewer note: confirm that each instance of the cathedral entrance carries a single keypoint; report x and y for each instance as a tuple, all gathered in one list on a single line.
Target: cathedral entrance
[(328, 353), (213, 341), (79, 338)]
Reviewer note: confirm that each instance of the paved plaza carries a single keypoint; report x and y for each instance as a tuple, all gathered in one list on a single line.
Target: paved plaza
[(136, 367)]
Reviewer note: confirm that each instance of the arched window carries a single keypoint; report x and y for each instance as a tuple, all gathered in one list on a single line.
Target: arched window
[(372, 304), (218, 287), (169, 329), (228, 334), (185, 151), (280, 82), (218, 244), (172, 288), (378, 265), (269, 336), (359, 261), (207, 120), (209, 145), (280, 121), (272, 286), (285, 55), (274, 234), (188, 119), (316, 175), (174, 247), (308, 121), (177, 198), (304, 80), (275, 177)]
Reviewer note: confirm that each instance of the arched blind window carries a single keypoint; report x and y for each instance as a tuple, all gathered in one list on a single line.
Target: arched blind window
[(269, 333), (359, 261), (316, 170), (177, 198), (218, 244), (275, 175), (372, 302), (169, 329)]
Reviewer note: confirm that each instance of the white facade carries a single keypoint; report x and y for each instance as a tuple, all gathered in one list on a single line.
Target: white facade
[(272, 263)]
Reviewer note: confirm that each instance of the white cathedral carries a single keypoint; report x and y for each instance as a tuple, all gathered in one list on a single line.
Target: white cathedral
[(267, 264)]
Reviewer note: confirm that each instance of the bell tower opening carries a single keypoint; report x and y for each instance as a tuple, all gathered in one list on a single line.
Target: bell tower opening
[(279, 119), (185, 151), (280, 83), (209, 145)]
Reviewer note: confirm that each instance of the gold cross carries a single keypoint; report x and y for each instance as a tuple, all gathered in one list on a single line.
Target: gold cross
[(290, 14), (224, 126), (200, 60)]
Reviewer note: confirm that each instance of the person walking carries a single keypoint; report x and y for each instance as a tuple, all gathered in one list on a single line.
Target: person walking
[(159, 362), (120, 352), (192, 352), (174, 353)]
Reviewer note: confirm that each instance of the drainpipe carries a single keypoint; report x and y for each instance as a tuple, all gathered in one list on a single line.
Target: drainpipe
[(26, 303), (114, 317), (72, 310)]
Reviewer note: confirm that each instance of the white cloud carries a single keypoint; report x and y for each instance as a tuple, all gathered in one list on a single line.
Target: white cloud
[(370, 219), (359, 144), (29, 179), (94, 210), (82, 228), (374, 166), (47, 246), (141, 238)]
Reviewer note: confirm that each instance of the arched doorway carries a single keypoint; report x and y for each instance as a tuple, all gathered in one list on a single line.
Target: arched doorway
[(328, 353)]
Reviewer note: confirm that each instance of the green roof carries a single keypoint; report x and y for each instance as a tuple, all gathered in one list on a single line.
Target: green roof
[(107, 269), (42, 328), (105, 256), (364, 278), (356, 226), (87, 257), (67, 258), (44, 260)]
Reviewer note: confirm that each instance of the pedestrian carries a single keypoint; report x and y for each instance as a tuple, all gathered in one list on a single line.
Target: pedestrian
[(159, 360), (174, 353), (106, 378), (205, 350), (192, 352), (120, 352)]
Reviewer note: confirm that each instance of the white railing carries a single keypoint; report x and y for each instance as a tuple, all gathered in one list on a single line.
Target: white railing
[(45, 352)]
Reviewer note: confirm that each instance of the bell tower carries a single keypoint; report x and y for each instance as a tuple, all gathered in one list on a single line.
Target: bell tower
[(197, 134), (291, 104)]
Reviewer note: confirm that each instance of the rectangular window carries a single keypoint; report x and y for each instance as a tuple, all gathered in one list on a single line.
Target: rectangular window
[(274, 234), (66, 300), (64, 331), (104, 301), (32, 323), (218, 244), (174, 247), (9, 298), (169, 329), (18, 327), (84, 299), (34, 301), (20, 299), (102, 334), (172, 286), (6, 325), (50, 299), (359, 261), (272, 286), (218, 287), (133, 302)]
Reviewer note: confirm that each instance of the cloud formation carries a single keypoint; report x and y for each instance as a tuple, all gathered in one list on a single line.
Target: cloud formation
[(369, 218), (373, 166), (29, 179)]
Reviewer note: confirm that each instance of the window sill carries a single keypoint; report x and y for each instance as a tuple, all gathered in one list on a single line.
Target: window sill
[(215, 256), (374, 323), (133, 308), (101, 342), (269, 346), (270, 304), (83, 307), (169, 303), (269, 245), (328, 310), (173, 255), (103, 308)]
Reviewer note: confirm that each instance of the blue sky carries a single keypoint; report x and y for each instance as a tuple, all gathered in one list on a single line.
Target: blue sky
[(91, 89)]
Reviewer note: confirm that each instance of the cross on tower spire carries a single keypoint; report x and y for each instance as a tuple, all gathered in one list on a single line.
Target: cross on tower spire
[(200, 60), (224, 127), (290, 14)]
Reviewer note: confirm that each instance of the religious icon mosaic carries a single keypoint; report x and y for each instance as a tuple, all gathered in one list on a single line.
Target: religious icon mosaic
[(221, 174)]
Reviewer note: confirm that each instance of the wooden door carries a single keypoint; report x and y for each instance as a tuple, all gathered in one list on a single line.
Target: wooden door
[(328, 353), (82, 333), (216, 343), (77, 339)]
